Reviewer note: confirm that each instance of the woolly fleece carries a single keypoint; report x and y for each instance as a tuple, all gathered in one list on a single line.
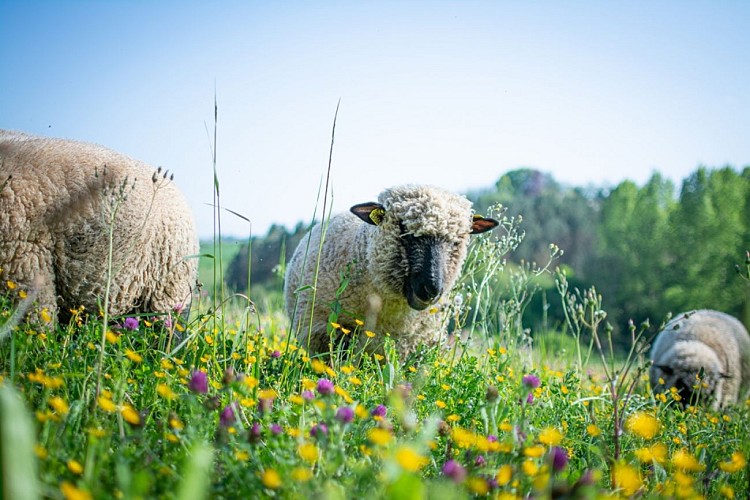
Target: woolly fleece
[(706, 339), (377, 269), (55, 198)]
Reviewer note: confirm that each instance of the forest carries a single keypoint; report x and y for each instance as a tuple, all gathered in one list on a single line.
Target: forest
[(649, 250)]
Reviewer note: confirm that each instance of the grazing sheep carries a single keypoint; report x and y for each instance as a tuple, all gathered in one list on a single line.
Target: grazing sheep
[(706, 340), (56, 198), (399, 256)]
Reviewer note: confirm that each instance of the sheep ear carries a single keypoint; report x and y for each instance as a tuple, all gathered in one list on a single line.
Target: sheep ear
[(481, 224), (370, 212), (666, 369)]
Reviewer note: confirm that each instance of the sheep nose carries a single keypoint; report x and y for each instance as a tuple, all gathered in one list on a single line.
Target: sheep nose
[(429, 290)]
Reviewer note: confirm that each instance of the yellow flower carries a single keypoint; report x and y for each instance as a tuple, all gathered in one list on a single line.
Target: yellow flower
[(550, 436), (593, 430), (477, 485), (11, 285), (643, 424), (165, 392), (241, 455), (379, 437), (626, 478), (440, 404), (133, 356), (112, 337), (130, 415), (409, 459), (70, 492), (40, 451), (45, 315), (166, 364), (106, 404), (529, 467), (735, 464), (308, 452), (369, 333), (534, 451), (301, 474), (59, 405), (686, 461), (318, 366), (271, 479), (75, 467), (355, 381), (726, 491), (656, 453), (504, 475)]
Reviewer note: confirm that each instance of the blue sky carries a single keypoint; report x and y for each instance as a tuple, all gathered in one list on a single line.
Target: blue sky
[(447, 93)]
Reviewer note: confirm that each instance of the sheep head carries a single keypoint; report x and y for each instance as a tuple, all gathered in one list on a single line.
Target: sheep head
[(420, 239)]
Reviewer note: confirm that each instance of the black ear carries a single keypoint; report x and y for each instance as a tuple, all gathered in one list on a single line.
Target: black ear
[(481, 224), (370, 212)]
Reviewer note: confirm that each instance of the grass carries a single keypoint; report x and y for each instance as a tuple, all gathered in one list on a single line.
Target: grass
[(270, 421)]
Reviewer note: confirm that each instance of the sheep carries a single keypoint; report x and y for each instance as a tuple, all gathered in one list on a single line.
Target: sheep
[(398, 257), (57, 198), (706, 341)]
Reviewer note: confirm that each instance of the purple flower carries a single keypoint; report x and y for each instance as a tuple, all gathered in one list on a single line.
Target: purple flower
[(255, 433), (559, 457), (227, 417), (345, 414), (379, 411), (276, 354), (454, 471), (198, 382), (319, 430), (308, 395), (479, 461), (492, 438), (531, 381), (325, 387), (530, 399), (276, 429), (130, 323)]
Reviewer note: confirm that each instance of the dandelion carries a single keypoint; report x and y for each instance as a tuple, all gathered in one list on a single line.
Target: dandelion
[(59, 405), (271, 479), (735, 464), (308, 452), (593, 430), (643, 424), (133, 356), (379, 437), (11, 285), (478, 486), (75, 467), (440, 404), (686, 461), (534, 451), (45, 315), (130, 323), (301, 474), (409, 459), (550, 436), (626, 478), (529, 467), (454, 471), (106, 404), (656, 453), (165, 391), (130, 415), (70, 492), (504, 475), (325, 387)]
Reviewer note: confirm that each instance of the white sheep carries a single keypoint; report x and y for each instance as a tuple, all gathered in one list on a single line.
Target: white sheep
[(56, 198), (706, 341), (399, 257)]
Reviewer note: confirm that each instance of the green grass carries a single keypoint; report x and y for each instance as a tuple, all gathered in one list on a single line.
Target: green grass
[(449, 426), (229, 249)]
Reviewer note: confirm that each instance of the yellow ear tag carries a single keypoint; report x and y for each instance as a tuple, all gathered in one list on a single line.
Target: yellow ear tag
[(476, 217), (376, 215)]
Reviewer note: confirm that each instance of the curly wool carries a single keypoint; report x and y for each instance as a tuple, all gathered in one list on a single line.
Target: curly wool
[(56, 197), (704, 339), (373, 258)]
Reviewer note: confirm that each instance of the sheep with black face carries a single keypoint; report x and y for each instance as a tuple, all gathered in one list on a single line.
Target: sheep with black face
[(398, 257), (705, 343)]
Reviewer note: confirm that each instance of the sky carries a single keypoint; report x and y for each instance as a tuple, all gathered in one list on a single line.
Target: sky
[(449, 93)]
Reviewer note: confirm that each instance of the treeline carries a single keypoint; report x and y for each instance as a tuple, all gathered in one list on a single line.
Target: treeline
[(649, 249)]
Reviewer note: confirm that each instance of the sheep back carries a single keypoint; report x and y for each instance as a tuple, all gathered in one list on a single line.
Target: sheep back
[(703, 339), (56, 200)]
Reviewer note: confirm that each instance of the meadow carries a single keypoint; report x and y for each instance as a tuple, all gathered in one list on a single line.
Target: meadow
[(226, 404)]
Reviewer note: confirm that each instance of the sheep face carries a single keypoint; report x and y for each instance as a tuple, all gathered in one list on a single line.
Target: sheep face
[(695, 373), (419, 242)]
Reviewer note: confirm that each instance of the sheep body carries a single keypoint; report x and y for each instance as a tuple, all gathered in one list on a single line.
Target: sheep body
[(704, 339), (399, 256), (56, 197)]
